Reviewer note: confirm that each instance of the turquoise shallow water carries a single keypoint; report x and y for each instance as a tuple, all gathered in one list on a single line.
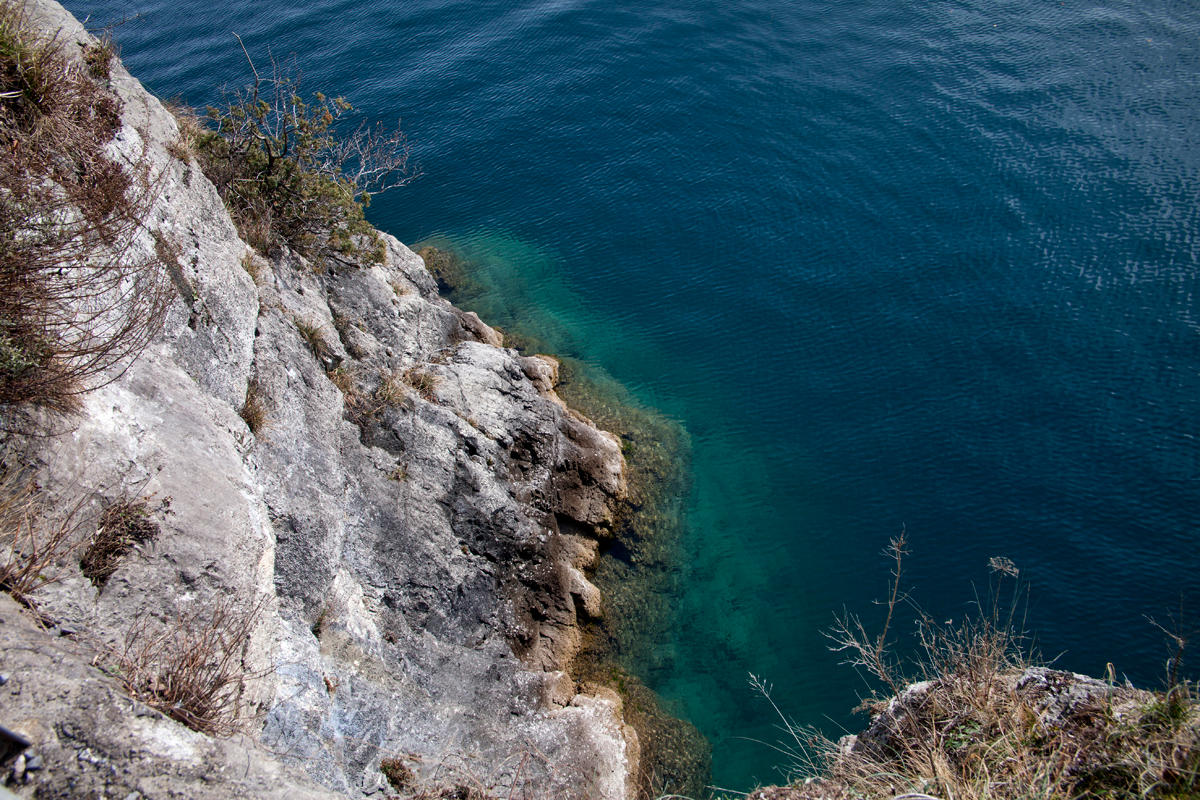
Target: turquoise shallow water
[(890, 264)]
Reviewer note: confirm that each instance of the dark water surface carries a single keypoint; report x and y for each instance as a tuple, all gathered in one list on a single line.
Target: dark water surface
[(889, 263)]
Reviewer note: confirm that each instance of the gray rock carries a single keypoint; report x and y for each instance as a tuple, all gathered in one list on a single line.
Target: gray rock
[(411, 528)]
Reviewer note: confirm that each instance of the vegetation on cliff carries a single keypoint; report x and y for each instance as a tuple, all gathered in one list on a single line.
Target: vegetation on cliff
[(290, 173), (77, 298), (973, 716)]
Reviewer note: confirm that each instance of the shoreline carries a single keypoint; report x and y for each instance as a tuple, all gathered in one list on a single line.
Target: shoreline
[(635, 566), (408, 501)]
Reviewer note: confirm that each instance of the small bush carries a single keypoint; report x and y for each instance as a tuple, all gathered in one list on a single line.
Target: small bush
[(122, 526), (289, 176), (193, 670)]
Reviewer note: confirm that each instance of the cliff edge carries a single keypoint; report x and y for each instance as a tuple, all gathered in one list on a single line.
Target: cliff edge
[(393, 512)]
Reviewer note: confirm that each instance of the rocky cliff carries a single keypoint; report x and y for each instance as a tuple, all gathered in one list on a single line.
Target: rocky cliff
[(401, 540)]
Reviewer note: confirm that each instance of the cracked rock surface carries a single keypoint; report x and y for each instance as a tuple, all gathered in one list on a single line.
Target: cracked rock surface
[(406, 533)]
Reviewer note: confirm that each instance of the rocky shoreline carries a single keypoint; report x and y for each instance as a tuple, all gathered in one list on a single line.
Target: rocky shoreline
[(398, 510)]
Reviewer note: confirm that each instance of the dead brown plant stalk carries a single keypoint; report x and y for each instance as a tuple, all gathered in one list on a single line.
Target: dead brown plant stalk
[(849, 634), (76, 301), (123, 525), (192, 669), (32, 546)]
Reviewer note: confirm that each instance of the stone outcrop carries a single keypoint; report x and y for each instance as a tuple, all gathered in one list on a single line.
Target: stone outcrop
[(407, 531), (1005, 730)]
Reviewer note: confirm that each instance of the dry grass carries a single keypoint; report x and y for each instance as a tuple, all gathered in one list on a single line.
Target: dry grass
[(123, 525), (983, 722), (179, 150), (424, 382), (253, 266), (349, 329), (254, 410), (392, 389), (191, 130), (32, 546), (956, 738), (314, 338), (194, 669), (362, 407), (343, 379), (75, 305), (398, 774), (99, 57)]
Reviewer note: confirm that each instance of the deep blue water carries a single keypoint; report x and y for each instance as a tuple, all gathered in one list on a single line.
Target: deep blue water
[(926, 264)]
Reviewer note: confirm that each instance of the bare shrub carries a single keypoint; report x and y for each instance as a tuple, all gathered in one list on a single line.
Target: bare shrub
[(75, 304), (289, 175), (873, 653), (123, 525), (194, 669), (32, 546)]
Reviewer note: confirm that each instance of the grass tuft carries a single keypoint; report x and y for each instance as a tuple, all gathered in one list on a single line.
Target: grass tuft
[(99, 57), (194, 669), (122, 526), (425, 383), (314, 338), (254, 410), (972, 716), (391, 390)]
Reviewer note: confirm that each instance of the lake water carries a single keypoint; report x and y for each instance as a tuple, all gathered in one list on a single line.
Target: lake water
[(890, 264)]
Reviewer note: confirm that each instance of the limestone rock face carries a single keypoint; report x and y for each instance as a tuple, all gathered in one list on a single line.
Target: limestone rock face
[(406, 532)]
